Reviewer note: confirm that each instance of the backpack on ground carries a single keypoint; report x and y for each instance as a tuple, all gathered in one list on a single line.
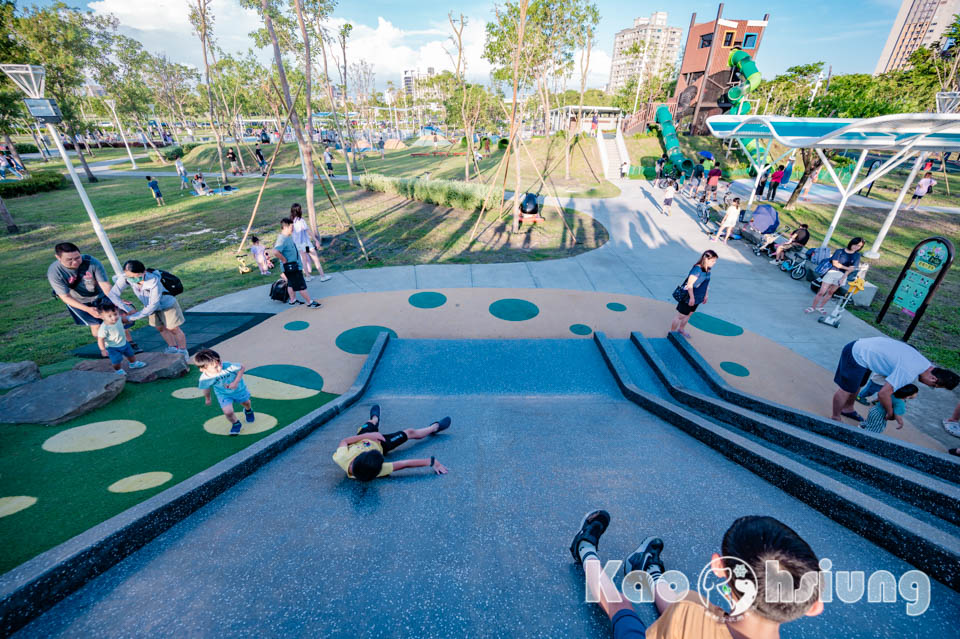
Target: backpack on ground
[(278, 292), (170, 282)]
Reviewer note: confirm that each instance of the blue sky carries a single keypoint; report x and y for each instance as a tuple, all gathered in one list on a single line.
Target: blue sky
[(396, 34)]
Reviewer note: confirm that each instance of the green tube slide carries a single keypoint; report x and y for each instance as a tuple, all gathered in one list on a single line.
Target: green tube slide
[(670, 141), (742, 62)]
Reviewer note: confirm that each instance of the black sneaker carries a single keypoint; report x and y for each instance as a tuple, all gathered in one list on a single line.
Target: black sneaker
[(314, 304), (375, 412), (236, 428), (444, 425), (646, 556), (249, 415), (593, 526)]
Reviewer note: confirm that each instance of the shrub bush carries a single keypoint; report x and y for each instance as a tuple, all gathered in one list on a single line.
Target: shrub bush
[(26, 147), (38, 182), (451, 193), (180, 151)]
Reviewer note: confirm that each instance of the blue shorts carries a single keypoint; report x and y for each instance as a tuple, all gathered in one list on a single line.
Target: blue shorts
[(627, 625), (117, 353), (227, 402), (850, 375)]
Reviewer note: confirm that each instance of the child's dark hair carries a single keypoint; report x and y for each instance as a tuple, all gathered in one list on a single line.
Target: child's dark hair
[(206, 356), (754, 540), (148, 178), (946, 378), (285, 222), (366, 466), (906, 391), (295, 211), (254, 239), (107, 306)]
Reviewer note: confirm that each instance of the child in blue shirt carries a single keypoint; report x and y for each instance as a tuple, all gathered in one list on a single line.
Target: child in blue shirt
[(155, 187), (226, 380), (877, 419)]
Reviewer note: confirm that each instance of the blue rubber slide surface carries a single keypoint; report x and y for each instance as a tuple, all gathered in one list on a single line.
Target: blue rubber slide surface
[(298, 549)]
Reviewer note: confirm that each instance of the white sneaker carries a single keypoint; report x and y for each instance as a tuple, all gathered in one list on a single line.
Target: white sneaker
[(326, 278), (171, 350), (121, 372), (308, 278), (952, 427), (137, 364)]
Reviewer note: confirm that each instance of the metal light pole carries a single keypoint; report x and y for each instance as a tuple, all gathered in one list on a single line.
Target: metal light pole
[(110, 102), (30, 78)]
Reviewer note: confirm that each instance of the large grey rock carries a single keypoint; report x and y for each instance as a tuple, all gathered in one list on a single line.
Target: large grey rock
[(159, 366), (59, 398), (13, 374)]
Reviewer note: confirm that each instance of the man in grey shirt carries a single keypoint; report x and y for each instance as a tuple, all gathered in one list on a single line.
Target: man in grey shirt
[(80, 281)]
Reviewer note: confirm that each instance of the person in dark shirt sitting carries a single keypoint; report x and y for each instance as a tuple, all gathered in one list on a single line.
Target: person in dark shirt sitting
[(798, 239)]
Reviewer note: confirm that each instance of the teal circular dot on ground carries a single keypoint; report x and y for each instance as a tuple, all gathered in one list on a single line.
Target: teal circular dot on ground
[(616, 306), (359, 340), (715, 325), (580, 329), (427, 299), (514, 310), (296, 326), (289, 374), (735, 369)]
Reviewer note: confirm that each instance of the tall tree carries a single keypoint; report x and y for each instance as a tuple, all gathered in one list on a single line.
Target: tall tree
[(202, 21)]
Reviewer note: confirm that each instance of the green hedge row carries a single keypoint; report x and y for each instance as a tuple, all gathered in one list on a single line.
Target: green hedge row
[(26, 147), (180, 151), (38, 182), (458, 195)]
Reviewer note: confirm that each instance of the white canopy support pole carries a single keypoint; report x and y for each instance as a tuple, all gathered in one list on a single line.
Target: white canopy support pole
[(874, 251), (847, 191), (833, 174)]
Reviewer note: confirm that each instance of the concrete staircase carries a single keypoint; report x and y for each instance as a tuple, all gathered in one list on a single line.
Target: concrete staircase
[(609, 143)]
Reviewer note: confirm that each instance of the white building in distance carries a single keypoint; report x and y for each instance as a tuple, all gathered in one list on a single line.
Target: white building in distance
[(661, 46), (919, 23)]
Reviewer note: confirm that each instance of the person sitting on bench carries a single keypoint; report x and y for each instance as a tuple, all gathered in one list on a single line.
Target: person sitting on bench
[(798, 240)]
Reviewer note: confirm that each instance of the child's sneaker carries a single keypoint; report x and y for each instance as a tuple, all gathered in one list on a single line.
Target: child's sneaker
[(646, 558), (172, 350), (444, 424), (375, 412), (235, 429), (249, 415), (326, 278), (137, 364), (121, 372), (308, 278), (314, 304), (593, 526)]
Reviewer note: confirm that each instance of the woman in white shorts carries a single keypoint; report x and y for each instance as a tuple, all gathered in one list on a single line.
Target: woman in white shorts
[(304, 238), (843, 262)]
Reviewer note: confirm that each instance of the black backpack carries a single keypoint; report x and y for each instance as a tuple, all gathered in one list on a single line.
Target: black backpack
[(170, 282), (278, 292)]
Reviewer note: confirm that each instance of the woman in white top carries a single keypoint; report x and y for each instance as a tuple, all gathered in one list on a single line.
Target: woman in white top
[(922, 189), (729, 222), (304, 238)]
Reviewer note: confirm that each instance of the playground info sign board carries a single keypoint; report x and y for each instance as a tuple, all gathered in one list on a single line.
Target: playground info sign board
[(921, 276)]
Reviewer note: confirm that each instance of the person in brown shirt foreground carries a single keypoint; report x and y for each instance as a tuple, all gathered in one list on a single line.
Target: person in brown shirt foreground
[(747, 545)]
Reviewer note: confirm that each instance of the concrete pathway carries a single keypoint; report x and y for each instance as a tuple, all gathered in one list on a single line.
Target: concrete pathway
[(648, 254), (826, 194)]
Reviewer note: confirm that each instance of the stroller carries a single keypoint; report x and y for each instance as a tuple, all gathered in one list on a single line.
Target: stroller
[(765, 220)]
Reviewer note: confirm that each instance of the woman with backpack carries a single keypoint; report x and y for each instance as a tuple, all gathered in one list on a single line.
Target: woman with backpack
[(843, 262), (160, 307)]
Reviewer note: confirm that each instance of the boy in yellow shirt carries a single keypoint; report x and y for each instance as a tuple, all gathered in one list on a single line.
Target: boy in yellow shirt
[(361, 456), (747, 545)]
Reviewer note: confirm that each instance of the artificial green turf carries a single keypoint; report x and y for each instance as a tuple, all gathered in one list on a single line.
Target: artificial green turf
[(71, 488)]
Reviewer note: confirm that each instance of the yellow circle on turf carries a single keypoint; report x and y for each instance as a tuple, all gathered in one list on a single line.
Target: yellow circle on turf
[(94, 436), (190, 392), (11, 505), (143, 481), (271, 389), (220, 426)]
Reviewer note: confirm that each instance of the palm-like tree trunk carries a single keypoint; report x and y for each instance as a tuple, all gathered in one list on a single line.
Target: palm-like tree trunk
[(13, 151), (83, 161), (333, 108), (307, 148), (7, 218), (203, 30)]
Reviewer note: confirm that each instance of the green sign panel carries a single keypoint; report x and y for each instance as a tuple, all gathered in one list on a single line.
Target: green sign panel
[(921, 276)]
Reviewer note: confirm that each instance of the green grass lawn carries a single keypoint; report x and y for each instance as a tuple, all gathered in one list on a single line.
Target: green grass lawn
[(547, 157), (56, 163), (71, 488), (197, 238), (938, 334)]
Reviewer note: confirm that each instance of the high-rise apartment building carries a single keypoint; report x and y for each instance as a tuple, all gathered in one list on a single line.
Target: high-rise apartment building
[(659, 45), (919, 23)]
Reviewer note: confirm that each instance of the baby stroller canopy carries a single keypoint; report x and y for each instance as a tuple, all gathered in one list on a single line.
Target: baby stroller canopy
[(766, 219)]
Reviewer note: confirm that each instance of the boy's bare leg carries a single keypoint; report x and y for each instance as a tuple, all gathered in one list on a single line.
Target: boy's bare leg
[(420, 433), (228, 412)]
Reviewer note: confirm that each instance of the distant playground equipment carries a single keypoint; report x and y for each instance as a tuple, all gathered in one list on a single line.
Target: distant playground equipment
[(671, 144), (431, 140), (394, 144)]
